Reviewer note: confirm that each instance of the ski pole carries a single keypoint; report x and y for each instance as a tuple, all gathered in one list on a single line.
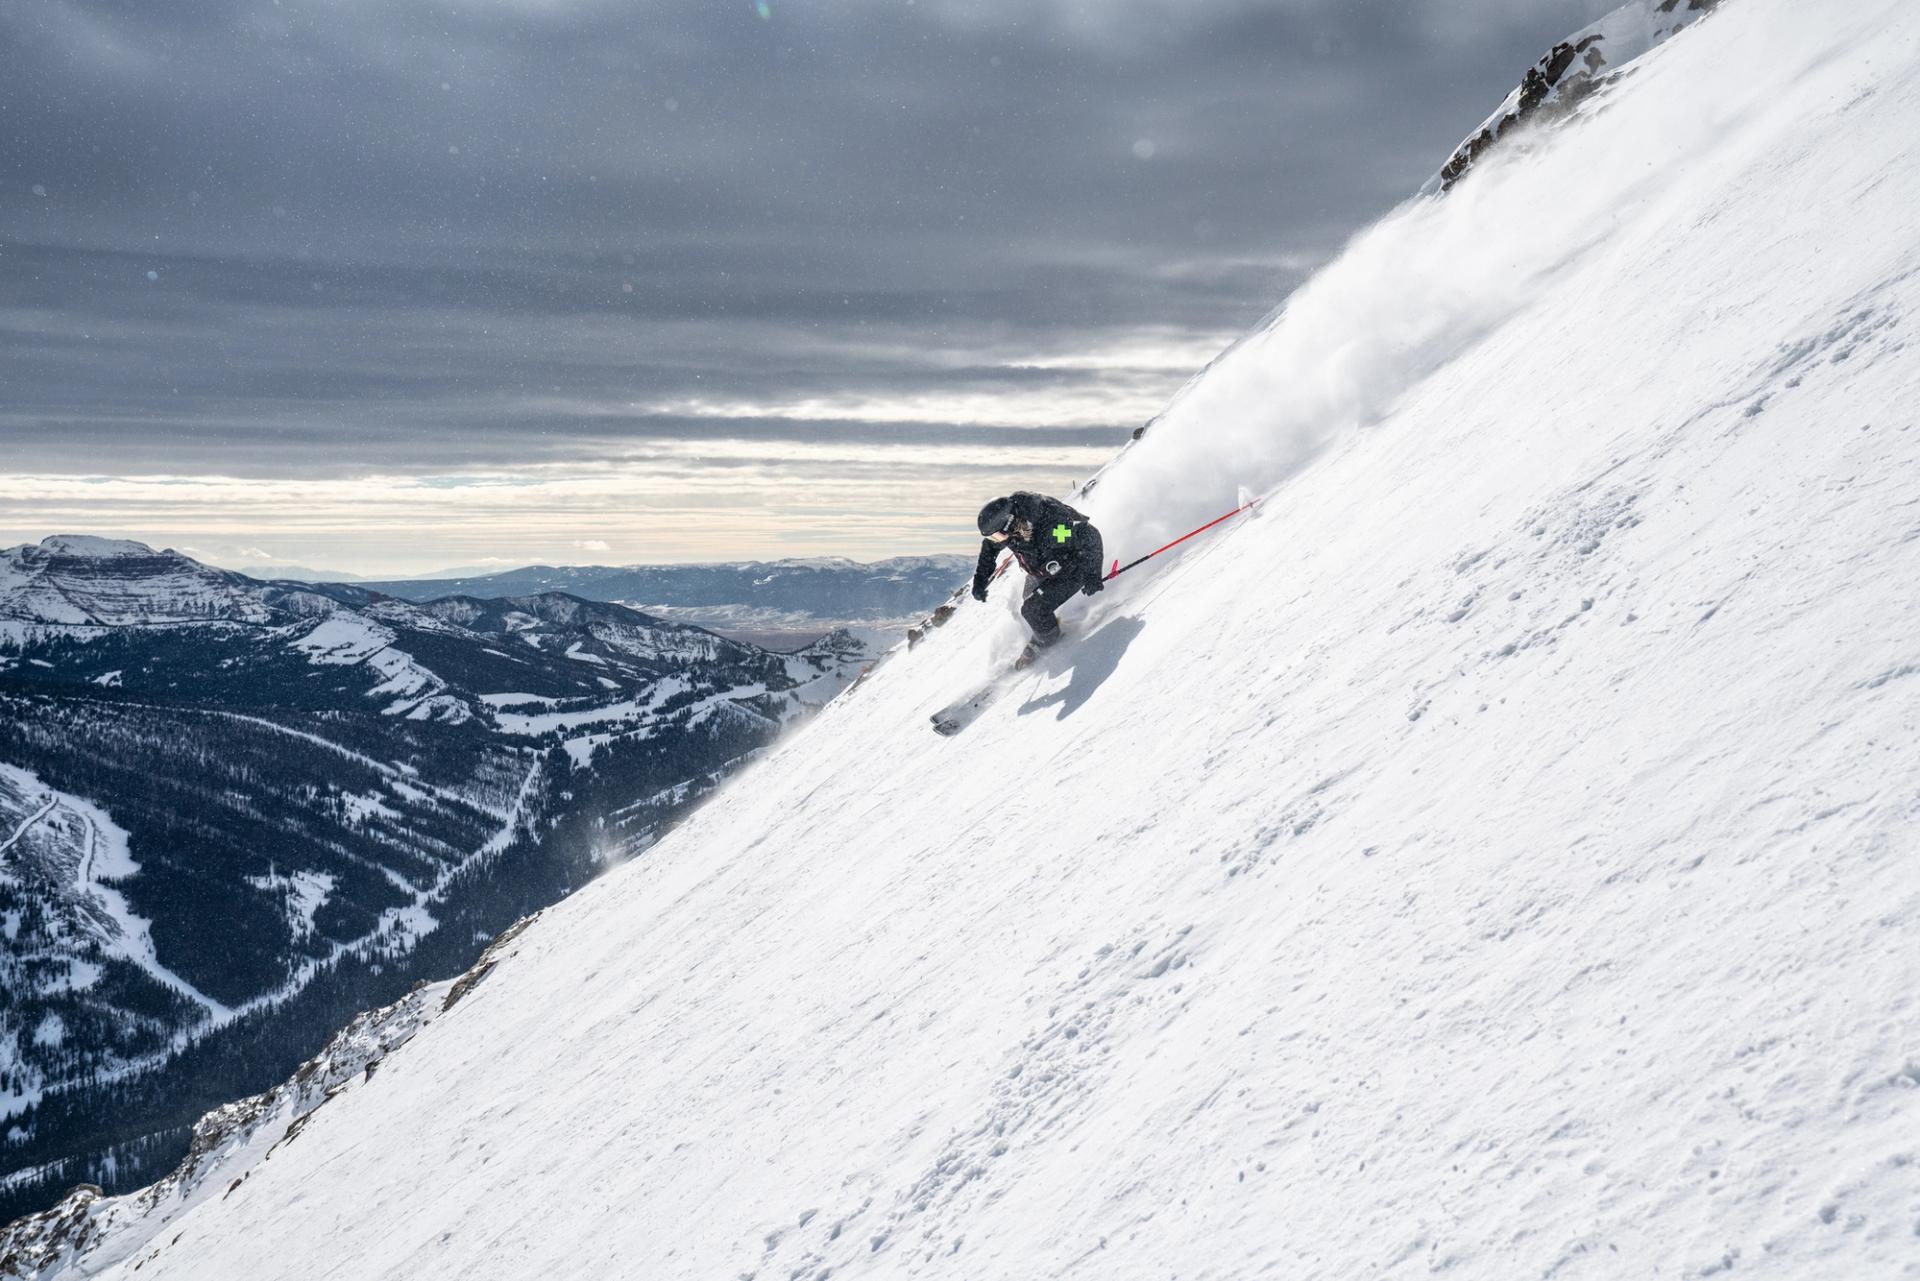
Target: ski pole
[(1119, 569)]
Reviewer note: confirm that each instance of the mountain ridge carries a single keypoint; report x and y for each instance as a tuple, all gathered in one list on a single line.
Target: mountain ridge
[(780, 595), (767, 603)]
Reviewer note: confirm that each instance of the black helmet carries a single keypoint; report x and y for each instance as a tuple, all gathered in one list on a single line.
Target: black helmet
[(995, 517)]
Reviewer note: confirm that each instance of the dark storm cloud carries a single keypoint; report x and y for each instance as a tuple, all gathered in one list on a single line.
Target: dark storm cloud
[(281, 234)]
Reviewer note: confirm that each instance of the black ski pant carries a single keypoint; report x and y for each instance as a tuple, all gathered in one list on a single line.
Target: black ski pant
[(1044, 595)]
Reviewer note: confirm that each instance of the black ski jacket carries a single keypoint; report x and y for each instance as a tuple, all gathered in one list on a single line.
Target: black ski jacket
[(1061, 544)]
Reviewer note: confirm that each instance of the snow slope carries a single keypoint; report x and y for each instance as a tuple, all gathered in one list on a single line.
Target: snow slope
[(1497, 858)]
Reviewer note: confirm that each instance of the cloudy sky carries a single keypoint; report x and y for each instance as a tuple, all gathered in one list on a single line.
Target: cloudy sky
[(389, 286)]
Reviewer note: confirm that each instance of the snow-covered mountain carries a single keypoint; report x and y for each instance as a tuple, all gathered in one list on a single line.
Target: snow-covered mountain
[(1496, 858), (232, 811), (74, 580)]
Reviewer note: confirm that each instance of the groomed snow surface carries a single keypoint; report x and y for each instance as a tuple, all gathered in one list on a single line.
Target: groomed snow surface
[(1495, 859)]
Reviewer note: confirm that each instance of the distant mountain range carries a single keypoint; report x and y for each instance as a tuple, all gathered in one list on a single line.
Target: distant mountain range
[(744, 596), (283, 571), (233, 813)]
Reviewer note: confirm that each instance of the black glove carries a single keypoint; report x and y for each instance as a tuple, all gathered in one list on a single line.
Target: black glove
[(1091, 586), (979, 590)]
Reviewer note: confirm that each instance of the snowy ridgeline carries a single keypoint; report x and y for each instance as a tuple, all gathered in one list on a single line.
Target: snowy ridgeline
[(229, 1140), (1495, 859)]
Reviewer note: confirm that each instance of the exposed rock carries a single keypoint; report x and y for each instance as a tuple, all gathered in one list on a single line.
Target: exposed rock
[(937, 618), (481, 968), (1571, 71)]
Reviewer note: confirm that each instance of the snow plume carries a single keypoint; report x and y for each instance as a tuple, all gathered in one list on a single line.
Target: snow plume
[(1430, 279)]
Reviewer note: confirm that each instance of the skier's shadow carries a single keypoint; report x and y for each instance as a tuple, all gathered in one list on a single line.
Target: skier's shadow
[(1091, 659)]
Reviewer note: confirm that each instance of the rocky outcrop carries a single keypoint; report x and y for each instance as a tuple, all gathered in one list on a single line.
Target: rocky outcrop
[(1571, 71)]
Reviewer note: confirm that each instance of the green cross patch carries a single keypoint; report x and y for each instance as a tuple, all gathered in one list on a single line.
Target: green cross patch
[(1061, 533)]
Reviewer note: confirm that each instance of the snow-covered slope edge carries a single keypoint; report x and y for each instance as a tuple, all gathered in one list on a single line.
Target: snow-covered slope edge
[(1498, 858), (87, 1232)]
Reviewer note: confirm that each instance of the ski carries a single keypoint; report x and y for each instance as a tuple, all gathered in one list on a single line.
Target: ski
[(956, 716)]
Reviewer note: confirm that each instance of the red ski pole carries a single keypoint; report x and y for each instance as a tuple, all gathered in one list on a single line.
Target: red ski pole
[(1119, 569)]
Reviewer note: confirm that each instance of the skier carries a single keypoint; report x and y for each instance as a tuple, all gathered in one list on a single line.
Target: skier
[(1057, 546)]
